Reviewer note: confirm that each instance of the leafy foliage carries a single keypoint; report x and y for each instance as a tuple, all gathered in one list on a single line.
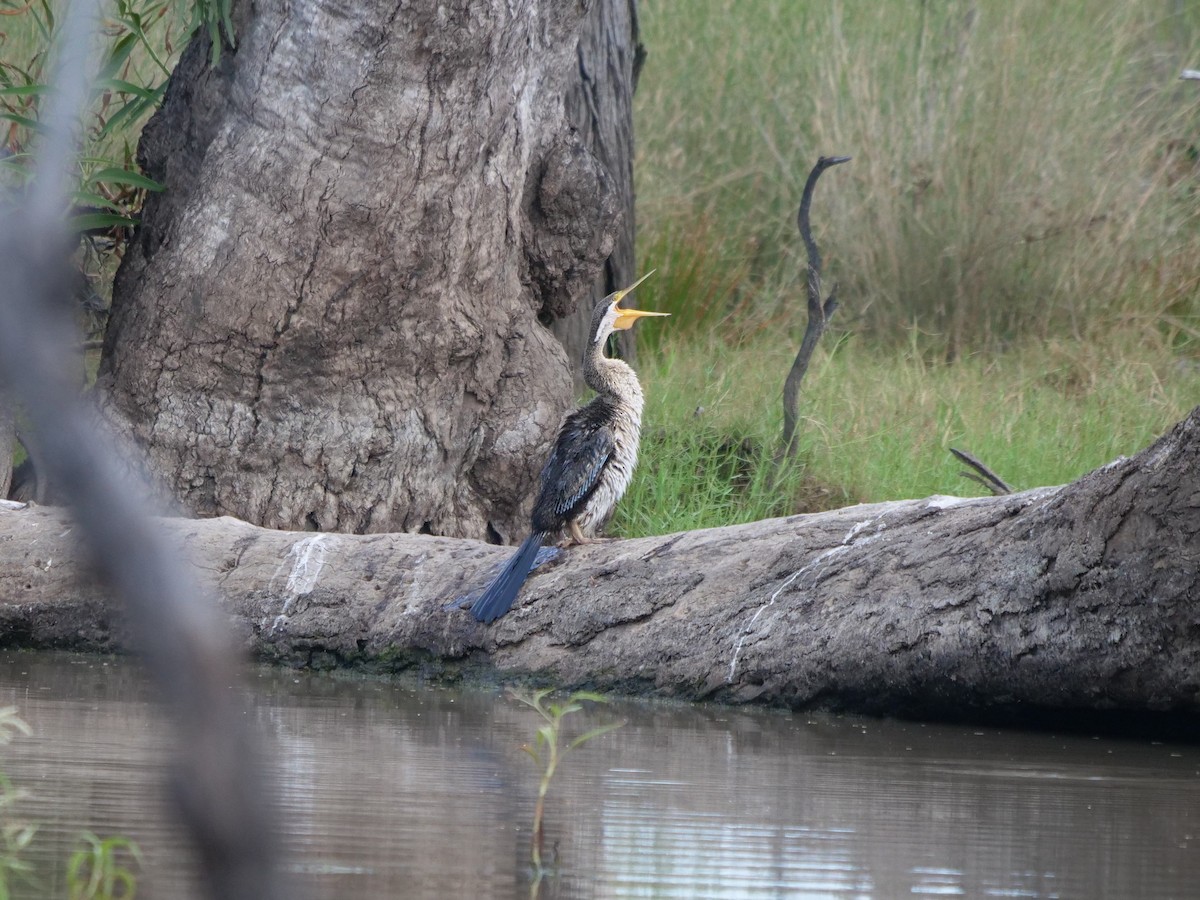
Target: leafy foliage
[(15, 836), (141, 41), (129, 85), (548, 749), (97, 870)]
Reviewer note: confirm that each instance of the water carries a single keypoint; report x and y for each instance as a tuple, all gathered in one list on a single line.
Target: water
[(403, 791)]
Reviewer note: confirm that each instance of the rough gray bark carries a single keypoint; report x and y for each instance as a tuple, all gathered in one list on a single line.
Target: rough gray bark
[(1078, 597), (600, 108), (329, 320)]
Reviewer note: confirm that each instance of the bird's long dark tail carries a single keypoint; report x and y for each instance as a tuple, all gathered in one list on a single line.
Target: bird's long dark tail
[(500, 594)]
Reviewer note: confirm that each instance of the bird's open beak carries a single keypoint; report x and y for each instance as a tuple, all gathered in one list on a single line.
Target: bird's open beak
[(626, 317)]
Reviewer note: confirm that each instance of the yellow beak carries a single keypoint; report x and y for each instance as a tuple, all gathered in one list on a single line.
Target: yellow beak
[(626, 317)]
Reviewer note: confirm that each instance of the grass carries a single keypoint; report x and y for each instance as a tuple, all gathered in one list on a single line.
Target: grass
[(876, 426), (1017, 244), (1020, 168)]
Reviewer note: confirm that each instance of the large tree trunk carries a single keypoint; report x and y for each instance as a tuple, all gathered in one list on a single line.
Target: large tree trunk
[(1080, 597), (329, 320), (600, 108)]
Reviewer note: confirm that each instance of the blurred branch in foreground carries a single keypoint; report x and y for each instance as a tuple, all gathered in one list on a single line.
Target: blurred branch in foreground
[(218, 782)]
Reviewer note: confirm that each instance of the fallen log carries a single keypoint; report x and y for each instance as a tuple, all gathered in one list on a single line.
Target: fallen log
[(1080, 597)]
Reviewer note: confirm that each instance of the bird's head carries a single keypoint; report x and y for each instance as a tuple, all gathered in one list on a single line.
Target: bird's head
[(610, 316)]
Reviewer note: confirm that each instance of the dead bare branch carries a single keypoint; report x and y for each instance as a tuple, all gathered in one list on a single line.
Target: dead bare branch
[(218, 783), (985, 476), (818, 312)]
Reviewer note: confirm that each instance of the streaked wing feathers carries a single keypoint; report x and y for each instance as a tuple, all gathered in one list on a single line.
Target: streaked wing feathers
[(572, 472)]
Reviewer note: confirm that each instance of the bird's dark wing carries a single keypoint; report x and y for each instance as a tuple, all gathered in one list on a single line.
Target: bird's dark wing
[(573, 470)]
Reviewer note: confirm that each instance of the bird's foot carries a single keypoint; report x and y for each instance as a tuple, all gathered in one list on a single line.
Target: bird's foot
[(573, 536), (581, 540)]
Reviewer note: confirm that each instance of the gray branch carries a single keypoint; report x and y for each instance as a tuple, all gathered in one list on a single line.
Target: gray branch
[(218, 782), (818, 312), (982, 473)]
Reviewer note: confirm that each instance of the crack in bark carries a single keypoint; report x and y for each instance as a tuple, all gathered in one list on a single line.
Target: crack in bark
[(272, 46)]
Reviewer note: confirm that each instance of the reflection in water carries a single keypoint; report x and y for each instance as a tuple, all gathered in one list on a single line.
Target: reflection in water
[(393, 790)]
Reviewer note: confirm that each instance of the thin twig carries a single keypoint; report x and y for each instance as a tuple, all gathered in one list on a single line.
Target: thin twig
[(986, 476), (818, 312), (218, 783)]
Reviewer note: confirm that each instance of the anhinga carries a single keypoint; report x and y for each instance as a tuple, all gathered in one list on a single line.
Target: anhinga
[(592, 461)]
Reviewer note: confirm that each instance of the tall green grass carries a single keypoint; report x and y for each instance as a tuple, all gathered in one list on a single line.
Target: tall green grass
[(1021, 168), (1017, 244), (877, 426)]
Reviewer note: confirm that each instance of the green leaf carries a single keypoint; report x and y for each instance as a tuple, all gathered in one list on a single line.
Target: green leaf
[(92, 221), (114, 175), (227, 19), (89, 198), (119, 54), (24, 90), (124, 884), (125, 87), (24, 834), (24, 121), (17, 163), (214, 36), (46, 23), (127, 844), (7, 67), (132, 110)]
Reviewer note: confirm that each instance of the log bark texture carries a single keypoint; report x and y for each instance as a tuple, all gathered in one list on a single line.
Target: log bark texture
[(329, 320), (1080, 597)]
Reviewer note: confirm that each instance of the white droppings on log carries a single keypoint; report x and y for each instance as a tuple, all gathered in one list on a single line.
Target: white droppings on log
[(308, 557), (823, 557), (310, 560), (941, 501), (860, 527), (737, 648)]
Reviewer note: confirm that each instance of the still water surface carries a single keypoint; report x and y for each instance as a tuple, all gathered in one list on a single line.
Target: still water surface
[(392, 790)]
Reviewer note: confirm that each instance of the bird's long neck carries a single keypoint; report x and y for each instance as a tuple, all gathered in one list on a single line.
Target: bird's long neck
[(612, 378)]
